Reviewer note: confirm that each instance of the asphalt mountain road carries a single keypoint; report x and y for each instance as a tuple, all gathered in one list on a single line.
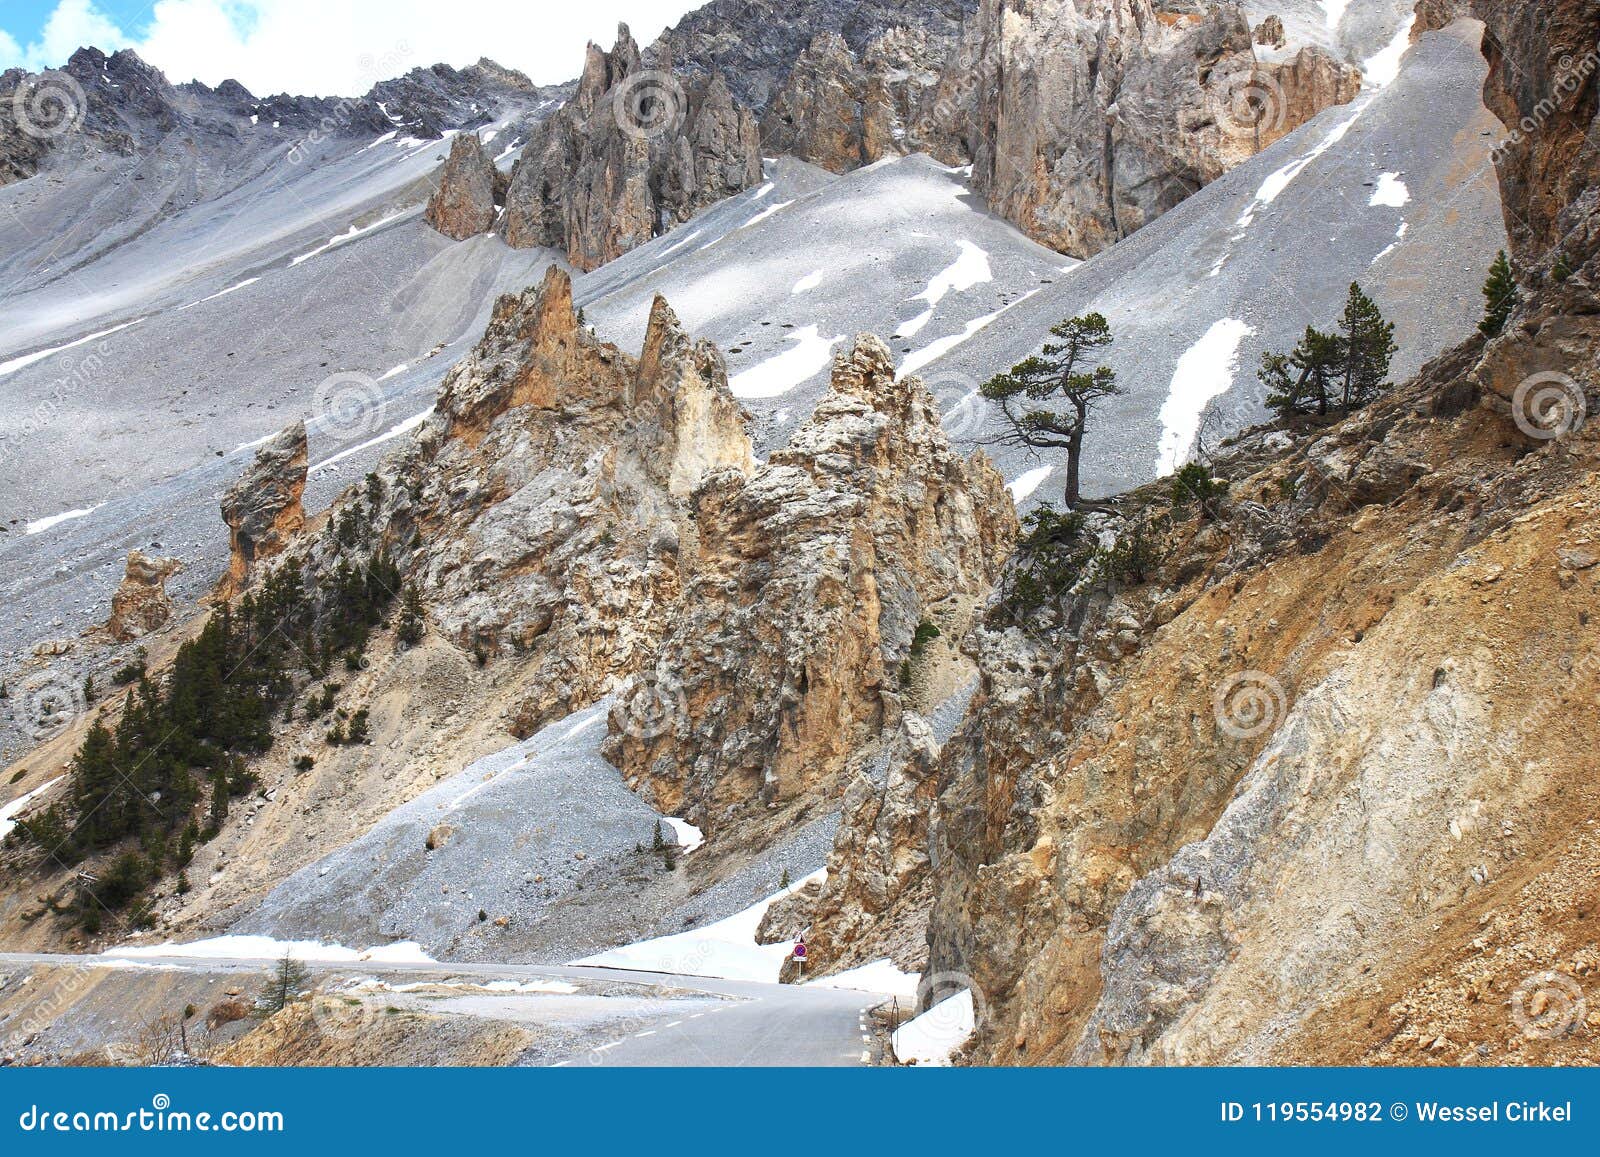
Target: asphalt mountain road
[(745, 1024)]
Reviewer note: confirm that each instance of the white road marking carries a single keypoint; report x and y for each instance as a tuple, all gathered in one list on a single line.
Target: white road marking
[(641, 1035)]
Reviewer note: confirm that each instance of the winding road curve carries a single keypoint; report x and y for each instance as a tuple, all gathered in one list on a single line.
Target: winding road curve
[(749, 1025)]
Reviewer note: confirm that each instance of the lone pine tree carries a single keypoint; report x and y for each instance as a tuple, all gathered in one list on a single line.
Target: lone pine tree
[(1064, 370), (1500, 297)]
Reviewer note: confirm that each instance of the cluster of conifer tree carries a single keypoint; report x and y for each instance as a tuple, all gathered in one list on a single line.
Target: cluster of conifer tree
[(160, 781), (1333, 373)]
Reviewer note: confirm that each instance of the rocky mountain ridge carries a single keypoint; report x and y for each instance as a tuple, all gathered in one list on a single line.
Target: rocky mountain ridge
[(120, 105)]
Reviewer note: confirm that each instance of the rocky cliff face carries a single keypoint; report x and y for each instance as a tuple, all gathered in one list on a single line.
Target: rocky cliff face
[(755, 44), (875, 900), (263, 509), (1286, 796), (464, 204), (804, 586), (1085, 119), (634, 152), (841, 110), (538, 511)]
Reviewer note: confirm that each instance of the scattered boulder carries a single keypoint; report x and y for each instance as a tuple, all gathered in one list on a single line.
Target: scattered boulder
[(1270, 34)]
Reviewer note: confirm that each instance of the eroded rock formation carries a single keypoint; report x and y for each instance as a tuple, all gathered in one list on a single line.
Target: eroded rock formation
[(804, 586), (464, 204), (875, 901), (141, 603), (634, 152), (539, 510), (263, 509)]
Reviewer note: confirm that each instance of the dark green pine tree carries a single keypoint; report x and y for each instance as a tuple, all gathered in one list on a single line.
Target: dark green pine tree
[(1500, 296), (1367, 347), (1303, 380), (1065, 371)]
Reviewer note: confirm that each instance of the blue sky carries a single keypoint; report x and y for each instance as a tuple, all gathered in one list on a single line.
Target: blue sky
[(324, 47), (24, 19)]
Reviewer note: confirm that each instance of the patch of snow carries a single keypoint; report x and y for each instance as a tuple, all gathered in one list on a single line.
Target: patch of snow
[(10, 812), (354, 232), (15, 364), (40, 525), (913, 327), (383, 140), (765, 213), (266, 948), (1023, 487), (969, 269), (915, 360), (1205, 371), (781, 373), (1391, 191), (261, 441), (549, 987), (393, 432), (879, 976), (396, 372), (934, 1036), (1272, 188), (726, 950), (807, 283), (1399, 236), (249, 281), (689, 836), (1333, 10), (1381, 70)]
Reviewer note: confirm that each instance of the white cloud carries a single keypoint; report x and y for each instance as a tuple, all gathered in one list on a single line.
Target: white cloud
[(317, 48), (73, 24)]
